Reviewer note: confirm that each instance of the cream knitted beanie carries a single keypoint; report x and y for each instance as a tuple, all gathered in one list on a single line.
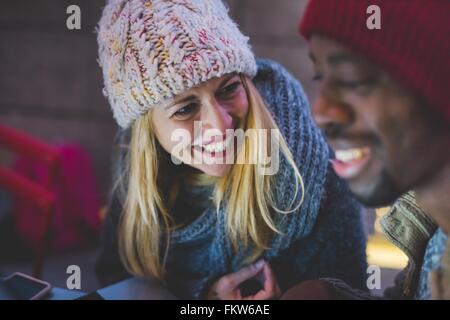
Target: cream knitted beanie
[(152, 50)]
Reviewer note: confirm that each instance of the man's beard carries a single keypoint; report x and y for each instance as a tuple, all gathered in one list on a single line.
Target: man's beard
[(384, 192)]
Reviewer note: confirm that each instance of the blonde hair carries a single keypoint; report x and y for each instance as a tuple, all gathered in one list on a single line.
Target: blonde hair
[(247, 195)]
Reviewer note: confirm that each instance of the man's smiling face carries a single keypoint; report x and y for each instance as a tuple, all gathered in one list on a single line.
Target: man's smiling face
[(386, 140)]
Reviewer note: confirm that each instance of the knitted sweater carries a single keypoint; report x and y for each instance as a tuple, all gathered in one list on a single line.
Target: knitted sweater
[(323, 238)]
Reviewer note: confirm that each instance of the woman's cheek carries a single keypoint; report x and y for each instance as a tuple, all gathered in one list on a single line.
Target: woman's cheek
[(165, 137), (180, 136), (240, 104)]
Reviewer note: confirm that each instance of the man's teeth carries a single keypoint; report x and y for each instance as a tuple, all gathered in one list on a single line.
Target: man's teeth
[(350, 154)]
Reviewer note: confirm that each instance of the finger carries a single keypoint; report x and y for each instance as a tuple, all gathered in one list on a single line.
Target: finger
[(260, 295), (248, 272), (276, 287), (270, 282), (270, 286)]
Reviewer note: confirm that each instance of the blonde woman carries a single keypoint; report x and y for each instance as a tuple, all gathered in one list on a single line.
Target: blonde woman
[(193, 205)]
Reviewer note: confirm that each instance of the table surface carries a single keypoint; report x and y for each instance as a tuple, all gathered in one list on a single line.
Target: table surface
[(64, 294), (130, 289), (135, 289)]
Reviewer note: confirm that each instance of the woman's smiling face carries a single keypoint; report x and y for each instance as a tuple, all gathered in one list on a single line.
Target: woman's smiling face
[(192, 127)]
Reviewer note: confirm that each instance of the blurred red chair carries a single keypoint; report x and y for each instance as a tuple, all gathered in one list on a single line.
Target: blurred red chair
[(22, 188)]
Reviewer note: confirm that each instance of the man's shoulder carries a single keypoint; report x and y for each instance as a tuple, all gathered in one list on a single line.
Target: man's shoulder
[(408, 227)]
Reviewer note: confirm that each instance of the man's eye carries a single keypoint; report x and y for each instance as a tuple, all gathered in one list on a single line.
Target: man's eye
[(185, 111), (317, 77), (352, 85), (229, 89)]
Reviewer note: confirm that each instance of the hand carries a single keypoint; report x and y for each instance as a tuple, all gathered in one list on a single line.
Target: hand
[(227, 287), (309, 290)]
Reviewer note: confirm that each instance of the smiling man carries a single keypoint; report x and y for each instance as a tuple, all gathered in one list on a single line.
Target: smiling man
[(384, 106), (386, 138)]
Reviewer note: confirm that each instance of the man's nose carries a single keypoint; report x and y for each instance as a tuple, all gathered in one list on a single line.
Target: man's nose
[(331, 116)]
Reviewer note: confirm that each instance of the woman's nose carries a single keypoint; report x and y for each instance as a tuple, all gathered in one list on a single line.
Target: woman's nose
[(215, 116)]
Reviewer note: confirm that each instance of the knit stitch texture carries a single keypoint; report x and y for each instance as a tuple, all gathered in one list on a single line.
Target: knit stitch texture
[(152, 50)]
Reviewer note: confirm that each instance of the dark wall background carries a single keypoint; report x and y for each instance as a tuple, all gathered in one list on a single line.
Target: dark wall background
[(50, 83)]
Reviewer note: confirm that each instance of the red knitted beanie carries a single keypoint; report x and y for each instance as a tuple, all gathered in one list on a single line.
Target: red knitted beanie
[(413, 45)]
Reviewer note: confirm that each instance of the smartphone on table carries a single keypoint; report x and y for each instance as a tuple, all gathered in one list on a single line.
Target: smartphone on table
[(19, 286)]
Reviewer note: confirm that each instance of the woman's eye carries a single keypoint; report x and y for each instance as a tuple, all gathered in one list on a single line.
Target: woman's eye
[(229, 89), (185, 111)]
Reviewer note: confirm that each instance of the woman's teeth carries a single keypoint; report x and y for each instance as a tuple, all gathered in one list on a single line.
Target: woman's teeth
[(217, 146), (351, 154)]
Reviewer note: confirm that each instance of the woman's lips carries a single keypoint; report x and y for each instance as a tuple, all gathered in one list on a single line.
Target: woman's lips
[(216, 149), (350, 163)]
